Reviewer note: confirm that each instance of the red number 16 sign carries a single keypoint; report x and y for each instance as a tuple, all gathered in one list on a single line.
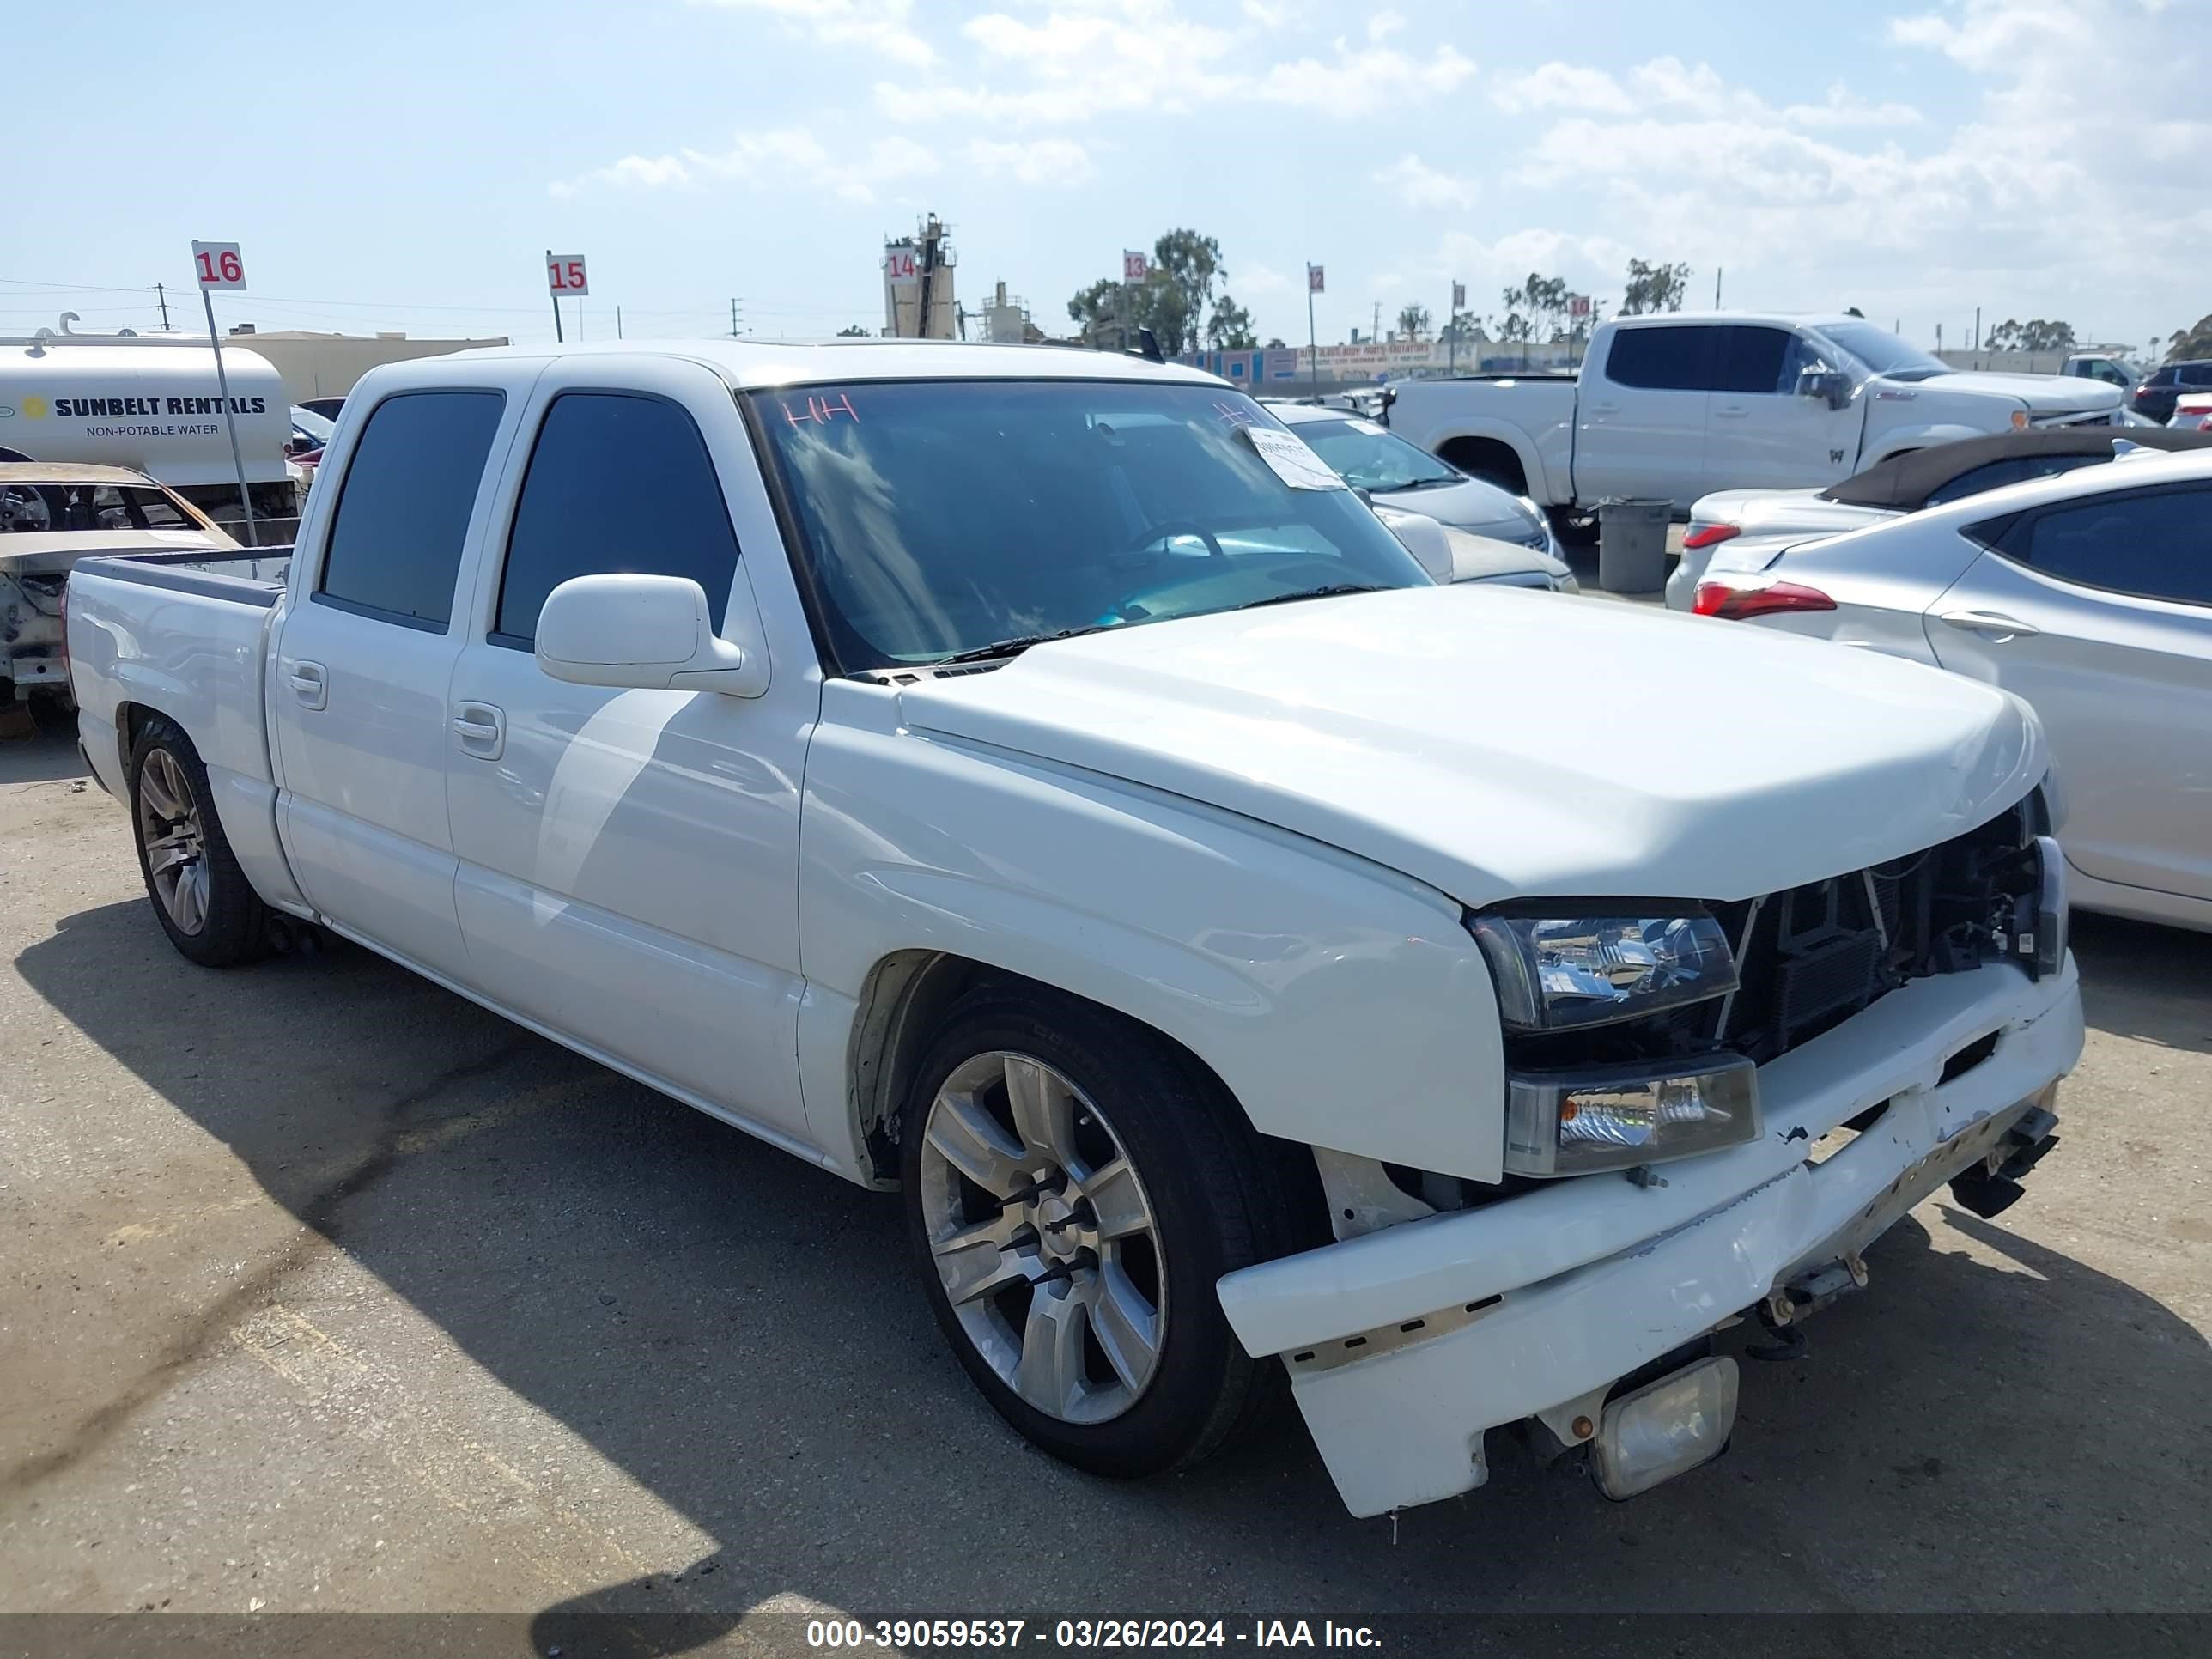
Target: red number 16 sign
[(565, 276), (217, 266)]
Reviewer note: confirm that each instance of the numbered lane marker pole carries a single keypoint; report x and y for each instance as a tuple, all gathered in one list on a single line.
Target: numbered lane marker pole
[(217, 266), (565, 275)]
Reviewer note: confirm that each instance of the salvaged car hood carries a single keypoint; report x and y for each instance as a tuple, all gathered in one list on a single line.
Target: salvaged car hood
[(1495, 743)]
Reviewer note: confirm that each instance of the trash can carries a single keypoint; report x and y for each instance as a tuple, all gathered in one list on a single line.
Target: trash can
[(1632, 545)]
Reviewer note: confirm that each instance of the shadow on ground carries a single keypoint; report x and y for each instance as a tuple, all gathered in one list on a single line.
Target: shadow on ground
[(742, 1337)]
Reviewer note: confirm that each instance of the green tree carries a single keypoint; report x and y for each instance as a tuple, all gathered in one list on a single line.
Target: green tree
[(1537, 311), (1414, 322), (855, 332), (1188, 263), (1171, 301), (1229, 328), (2188, 343), (1653, 288), (2038, 334)]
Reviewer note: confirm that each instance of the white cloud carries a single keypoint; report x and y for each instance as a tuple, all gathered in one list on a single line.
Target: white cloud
[(1418, 185), (786, 156), (1354, 81), (1842, 108), (1384, 24), (879, 25), (1038, 162), (1559, 86), (1256, 279)]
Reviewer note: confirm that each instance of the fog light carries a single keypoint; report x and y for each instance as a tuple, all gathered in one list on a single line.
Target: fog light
[(1664, 1428), (1570, 1123)]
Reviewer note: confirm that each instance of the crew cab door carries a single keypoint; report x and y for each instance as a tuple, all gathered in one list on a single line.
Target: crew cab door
[(1760, 434), (358, 702), (1640, 414), (2099, 612), (628, 858)]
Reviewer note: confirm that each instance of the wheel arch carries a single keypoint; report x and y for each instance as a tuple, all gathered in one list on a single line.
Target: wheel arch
[(902, 1005)]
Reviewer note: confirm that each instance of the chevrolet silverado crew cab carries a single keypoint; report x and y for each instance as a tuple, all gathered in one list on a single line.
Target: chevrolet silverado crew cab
[(1673, 406), (1030, 781)]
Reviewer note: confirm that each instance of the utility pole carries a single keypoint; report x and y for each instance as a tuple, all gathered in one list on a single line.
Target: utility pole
[(1717, 288), (162, 295), (618, 334), (1977, 343), (1378, 335), (733, 317)]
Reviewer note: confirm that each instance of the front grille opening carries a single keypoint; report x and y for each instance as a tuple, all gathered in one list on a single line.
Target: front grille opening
[(1967, 1058), (1812, 957)]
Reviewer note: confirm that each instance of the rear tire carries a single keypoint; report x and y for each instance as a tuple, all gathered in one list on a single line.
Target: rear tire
[(1081, 1301), (202, 898)]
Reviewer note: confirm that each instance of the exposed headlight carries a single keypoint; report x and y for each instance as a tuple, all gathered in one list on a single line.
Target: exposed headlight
[(1618, 1117), (1556, 972)]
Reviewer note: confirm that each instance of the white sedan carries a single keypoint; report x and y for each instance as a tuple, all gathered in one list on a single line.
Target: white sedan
[(2090, 595)]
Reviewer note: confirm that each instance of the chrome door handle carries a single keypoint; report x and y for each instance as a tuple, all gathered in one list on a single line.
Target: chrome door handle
[(309, 684), (1995, 624)]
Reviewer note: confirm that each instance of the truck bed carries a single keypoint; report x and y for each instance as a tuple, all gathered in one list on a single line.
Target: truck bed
[(186, 634)]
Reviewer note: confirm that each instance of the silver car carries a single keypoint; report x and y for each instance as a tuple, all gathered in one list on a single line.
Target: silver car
[(1394, 473), (2089, 595)]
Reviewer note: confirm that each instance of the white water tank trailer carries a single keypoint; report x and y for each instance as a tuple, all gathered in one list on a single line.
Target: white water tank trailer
[(151, 402)]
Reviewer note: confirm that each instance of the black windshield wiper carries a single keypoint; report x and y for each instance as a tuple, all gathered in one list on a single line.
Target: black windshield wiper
[(1015, 647), (1328, 592), (1417, 484)]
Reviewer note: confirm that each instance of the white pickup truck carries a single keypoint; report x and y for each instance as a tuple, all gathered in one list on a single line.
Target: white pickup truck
[(1674, 406), (1030, 781)]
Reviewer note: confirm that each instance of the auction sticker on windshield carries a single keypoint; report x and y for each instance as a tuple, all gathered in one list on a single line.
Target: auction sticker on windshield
[(1292, 461)]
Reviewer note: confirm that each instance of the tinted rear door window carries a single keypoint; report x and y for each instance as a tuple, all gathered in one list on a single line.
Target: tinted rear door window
[(403, 507), (1677, 358), (2157, 545), (618, 481), (1752, 360)]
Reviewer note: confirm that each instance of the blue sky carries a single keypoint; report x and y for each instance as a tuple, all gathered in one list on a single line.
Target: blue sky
[(404, 166)]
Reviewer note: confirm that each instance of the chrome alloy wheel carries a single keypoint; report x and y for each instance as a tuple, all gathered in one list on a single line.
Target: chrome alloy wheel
[(1044, 1237), (169, 829)]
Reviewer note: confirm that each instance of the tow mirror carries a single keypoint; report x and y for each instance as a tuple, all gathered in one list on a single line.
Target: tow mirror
[(650, 633)]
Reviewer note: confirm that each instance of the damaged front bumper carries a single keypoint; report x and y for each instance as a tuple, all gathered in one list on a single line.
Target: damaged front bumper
[(1405, 1347)]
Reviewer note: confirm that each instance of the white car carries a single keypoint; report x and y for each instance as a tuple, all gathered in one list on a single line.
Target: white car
[(2192, 412), (2089, 595), (1029, 779), (1673, 406), (1903, 484)]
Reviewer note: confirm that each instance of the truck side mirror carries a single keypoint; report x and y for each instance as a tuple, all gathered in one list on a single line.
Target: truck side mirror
[(1831, 387), (649, 632)]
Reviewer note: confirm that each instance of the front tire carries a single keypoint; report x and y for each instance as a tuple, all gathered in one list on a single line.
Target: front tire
[(1074, 1186), (202, 898)]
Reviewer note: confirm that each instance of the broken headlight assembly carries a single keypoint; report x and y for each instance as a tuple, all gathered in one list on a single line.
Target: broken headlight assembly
[(1557, 973)]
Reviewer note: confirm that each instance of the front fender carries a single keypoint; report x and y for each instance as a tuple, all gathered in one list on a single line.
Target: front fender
[(1342, 1005), (1881, 445), (1525, 449)]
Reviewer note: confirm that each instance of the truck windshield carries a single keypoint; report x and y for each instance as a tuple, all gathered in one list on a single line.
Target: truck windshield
[(1877, 351), (1369, 457), (940, 519)]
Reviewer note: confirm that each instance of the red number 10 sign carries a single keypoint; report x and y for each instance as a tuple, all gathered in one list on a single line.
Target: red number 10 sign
[(217, 266), (565, 276)]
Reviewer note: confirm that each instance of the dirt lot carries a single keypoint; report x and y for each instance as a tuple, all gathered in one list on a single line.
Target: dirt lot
[(323, 1289)]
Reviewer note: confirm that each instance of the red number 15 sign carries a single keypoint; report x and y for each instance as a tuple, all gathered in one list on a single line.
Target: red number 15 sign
[(565, 276)]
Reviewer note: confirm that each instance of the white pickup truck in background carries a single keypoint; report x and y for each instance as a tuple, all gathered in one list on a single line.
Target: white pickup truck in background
[(1673, 406), (1031, 780)]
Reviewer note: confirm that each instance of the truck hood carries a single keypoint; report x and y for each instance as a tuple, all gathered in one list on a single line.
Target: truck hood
[(1496, 743), (2044, 394)]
